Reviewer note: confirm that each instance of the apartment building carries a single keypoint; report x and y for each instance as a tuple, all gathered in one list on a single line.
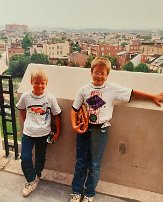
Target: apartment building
[(152, 48), (84, 47), (93, 49), (15, 51), (56, 51), (105, 49), (16, 27), (36, 48), (135, 48)]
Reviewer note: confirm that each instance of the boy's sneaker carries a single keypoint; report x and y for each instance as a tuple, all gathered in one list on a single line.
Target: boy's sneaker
[(75, 197), (87, 199), (29, 187)]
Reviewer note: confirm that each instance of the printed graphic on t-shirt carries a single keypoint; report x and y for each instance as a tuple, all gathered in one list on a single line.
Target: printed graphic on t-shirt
[(95, 102), (39, 110)]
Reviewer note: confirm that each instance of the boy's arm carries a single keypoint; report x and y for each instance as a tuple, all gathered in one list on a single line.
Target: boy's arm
[(22, 113), (75, 127), (154, 98), (58, 127), (22, 116)]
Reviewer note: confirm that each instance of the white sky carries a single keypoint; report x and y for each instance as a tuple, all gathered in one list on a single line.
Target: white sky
[(83, 13)]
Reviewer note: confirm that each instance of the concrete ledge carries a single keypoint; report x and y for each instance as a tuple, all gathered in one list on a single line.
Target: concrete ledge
[(133, 155), (13, 166)]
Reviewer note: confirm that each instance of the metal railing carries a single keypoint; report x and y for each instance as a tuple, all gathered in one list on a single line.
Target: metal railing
[(7, 108)]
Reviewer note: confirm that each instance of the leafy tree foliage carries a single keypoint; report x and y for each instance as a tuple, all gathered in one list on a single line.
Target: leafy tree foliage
[(124, 44), (62, 62), (139, 68), (142, 68), (75, 47), (129, 67), (4, 38), (26, 42), (39, 58), (148, 37), (113, 61), (18, 65), (89, 60)]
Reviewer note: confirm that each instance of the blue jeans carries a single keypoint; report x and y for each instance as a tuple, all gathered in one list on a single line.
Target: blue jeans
[(29, 169), (90, 149)]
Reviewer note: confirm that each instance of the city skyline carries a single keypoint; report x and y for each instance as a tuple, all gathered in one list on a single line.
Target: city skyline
[(83, 14)]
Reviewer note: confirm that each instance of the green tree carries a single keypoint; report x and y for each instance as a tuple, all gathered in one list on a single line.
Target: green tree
[(113, 61), (129, 67), (18, 66), (26, 42), (148, 37), (142, 68), (89, 60), (123, 44), (39, 58), (75, 47), (4, 38), (62, 62)]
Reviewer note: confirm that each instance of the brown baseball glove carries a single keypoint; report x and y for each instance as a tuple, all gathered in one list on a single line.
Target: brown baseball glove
[(82, 117)]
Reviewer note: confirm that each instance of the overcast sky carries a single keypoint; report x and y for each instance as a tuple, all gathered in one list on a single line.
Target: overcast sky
[(83, 13)]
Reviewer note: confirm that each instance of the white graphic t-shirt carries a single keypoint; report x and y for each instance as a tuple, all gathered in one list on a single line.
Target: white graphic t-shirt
[(99, 100), (38, 108)]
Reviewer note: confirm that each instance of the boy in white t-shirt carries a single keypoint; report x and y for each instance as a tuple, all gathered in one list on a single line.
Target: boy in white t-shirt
[(98, 98), (35, 108)]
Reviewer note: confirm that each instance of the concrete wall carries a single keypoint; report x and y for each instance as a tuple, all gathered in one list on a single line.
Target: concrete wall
[(134, 153)]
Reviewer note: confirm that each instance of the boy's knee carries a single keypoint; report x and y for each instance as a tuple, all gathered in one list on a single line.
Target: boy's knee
[(26, 157), (95, 166)]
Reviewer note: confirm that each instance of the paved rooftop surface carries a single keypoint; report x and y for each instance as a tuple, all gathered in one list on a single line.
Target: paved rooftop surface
[(11, 190), (12, 181)]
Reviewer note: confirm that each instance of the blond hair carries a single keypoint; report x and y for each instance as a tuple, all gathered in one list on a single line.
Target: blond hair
[(39, 73), (102, 62)]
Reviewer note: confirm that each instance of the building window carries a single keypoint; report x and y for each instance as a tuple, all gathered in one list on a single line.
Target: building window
[(57, 52), (57, 47), (60, 52), (52, 48)]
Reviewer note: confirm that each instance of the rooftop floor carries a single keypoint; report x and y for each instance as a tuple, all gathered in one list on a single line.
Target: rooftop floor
[(12, 181), (11, 185)]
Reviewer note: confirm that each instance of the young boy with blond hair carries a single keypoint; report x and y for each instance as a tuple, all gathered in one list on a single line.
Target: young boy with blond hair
[(98, 97), (35, 109)]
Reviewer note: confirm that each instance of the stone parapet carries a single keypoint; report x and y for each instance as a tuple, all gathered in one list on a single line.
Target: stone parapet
[(134, 153)]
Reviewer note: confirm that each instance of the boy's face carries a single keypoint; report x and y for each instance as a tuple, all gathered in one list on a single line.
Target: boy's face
[(39, 84), (99, 75)]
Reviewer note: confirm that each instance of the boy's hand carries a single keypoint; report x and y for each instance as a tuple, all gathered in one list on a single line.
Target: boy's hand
[(158, 98), (55, 137), (78, 129)]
